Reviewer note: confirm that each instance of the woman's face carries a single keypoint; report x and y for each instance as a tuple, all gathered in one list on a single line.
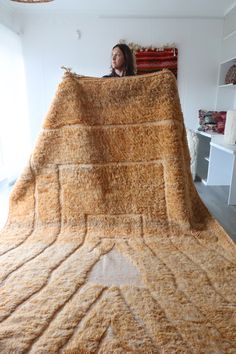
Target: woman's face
[(118, 59)]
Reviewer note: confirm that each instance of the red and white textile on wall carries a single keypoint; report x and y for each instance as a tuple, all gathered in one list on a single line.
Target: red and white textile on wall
[(151, 60)]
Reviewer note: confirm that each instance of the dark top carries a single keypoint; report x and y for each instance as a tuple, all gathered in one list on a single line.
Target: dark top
[(112, 74)]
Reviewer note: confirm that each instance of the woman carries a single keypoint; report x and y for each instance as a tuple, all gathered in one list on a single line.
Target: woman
[(122, 63)]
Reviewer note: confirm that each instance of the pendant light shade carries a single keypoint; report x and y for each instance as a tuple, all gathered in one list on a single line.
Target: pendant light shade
[(32, 1)]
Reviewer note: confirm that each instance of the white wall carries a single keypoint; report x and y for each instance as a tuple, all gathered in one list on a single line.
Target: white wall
[(51, 41), (8, 19), (5, 16), (14, 124)]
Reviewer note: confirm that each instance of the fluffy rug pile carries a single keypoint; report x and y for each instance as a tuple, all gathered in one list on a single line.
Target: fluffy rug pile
[(108, 248)]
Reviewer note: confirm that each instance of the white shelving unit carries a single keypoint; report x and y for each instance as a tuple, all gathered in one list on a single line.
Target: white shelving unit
[(226, 93), (224, 67)]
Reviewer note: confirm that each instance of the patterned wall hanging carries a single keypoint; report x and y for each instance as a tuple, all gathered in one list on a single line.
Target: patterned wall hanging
[(151, 59)]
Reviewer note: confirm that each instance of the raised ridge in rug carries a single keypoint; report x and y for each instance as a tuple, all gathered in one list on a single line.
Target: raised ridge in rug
[(108, 248)]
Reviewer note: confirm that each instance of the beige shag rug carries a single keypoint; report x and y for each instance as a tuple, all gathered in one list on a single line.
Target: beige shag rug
[(108, 248)]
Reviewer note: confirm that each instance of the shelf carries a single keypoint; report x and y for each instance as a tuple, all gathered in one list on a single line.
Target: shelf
[(231, 149), (228, 60), (229, 35), (224, 67), (208, 134), (228, 85)]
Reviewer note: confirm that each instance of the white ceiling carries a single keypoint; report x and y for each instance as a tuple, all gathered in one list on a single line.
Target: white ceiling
[(131, 8)]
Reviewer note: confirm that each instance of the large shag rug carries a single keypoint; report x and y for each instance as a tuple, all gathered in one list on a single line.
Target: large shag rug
[(108, 248)]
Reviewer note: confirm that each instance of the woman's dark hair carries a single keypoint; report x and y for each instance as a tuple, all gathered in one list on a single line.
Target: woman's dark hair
[(129, 58)]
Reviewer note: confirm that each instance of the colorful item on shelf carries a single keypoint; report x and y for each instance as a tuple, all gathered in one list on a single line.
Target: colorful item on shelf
[(213, 121), (156, 59), (230, 77)]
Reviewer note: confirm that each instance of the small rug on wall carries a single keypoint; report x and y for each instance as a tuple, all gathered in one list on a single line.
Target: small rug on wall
[(150, 60), (108, 247)]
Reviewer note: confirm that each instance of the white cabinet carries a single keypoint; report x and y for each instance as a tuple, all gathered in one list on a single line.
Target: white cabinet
[(203, 154), (216, 164)]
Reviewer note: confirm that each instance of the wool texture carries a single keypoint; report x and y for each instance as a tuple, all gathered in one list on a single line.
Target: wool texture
[(108, 247)]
